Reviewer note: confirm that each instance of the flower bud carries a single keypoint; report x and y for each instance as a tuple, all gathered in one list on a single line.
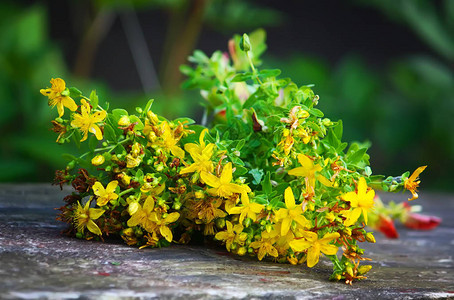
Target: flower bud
[(152, 117), (71, 165), (370, 237), (242, 251), (349, 270), (124, 121), (159, 167), (247, 222), (364, 269), (125, 179), (133, 207), (347, 231), (199, 194), (245, 44), (97, 160), (220, 223)]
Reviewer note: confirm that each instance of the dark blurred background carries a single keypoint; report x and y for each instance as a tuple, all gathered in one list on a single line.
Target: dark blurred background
[(386, 67)]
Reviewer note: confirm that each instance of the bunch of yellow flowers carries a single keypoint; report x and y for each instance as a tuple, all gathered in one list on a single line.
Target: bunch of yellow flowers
[(269, 177)]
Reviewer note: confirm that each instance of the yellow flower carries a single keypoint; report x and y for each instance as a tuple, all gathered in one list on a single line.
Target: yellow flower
[(107, 194), (142, 214), (152, 189), (287, 143), (360, 202), (201, 156), (169, 140), (87, 122), (222, 186), (233, 234), (248, 209), (412, 182), (308, 170), (292, 213), (282, 241), (314, 246), (98, 160), (84, 217), (265, 246), (132, 162), (162, 224), (56, 98), (208, 210)]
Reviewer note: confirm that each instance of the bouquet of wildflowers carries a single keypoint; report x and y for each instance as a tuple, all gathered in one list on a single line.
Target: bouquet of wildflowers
[(267, 175)]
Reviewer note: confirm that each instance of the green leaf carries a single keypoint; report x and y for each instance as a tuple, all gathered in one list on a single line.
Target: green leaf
[(338, 130), (118, 113), (269, 73), (77, 137), (316, 112), (240, 144), (257, 174), (139, 175), (148, 106), (94, 99), (266, 184), (69, 157), (240, 170), (74, 92), (332, 139), (240, 77), (135, 119), (92, 143), (357, 156), (109, 133)]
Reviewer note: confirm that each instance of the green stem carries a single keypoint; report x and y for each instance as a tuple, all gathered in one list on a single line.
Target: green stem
[(254, 70), (110, 148), (125, 192)]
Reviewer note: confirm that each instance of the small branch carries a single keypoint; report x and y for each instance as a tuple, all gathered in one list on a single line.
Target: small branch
[(139, 49), (90, 42)]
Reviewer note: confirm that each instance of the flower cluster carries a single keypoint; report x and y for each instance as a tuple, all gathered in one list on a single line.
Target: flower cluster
[(269, 177)]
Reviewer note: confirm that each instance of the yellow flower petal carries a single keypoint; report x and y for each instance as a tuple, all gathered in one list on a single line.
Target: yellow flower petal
[(313, 255), (299, 245), (416, 173), (166, 233), (177, 151), (172, 217), (210, 179), (285, 227), (95, 213), (351, 197), (329, 249), (93, 227), (96, 131), (226, 174), (289, 198), (111, 186), (98, 189), (69, 103)]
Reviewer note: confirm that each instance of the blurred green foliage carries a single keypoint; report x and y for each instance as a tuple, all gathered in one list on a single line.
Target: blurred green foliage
[(27, 59)]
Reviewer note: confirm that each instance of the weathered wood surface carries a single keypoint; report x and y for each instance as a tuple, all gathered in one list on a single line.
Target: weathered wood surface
[(37, 262)]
